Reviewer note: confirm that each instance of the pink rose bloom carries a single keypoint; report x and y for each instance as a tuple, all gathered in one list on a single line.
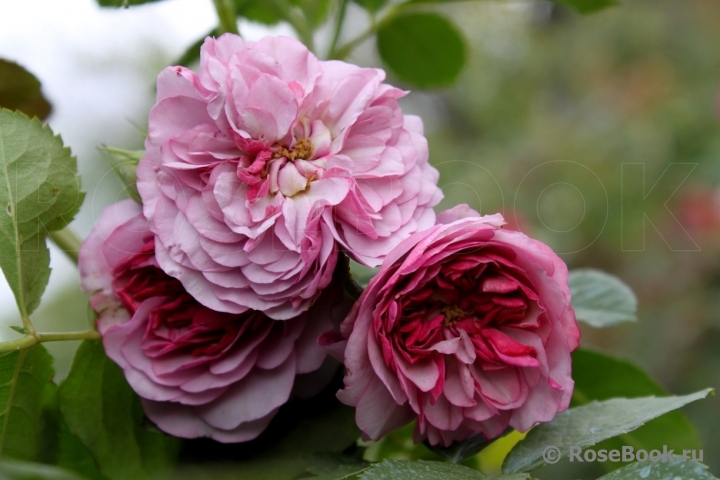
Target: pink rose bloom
[(199, 372), (467, 328), (265, 162)]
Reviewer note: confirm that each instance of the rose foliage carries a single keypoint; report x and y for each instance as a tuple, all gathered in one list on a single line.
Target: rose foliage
[(224, 295)]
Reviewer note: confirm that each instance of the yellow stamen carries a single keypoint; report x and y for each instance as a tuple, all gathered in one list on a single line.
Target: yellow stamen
[(302, 149), (453, 313)]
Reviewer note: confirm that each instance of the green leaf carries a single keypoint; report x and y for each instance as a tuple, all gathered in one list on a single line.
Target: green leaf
[(600, 299), (600, 377), (399, 445), (39, 192), (123, 3), (260, 11), (661, 471), (315, 11), (362, 274), (411, 2), (424, 49), (329, 466), (588, 6), (101, 409), (17, 470), (371, 5), (73, 455), (20, 90), (587, 425), (124, 163), (426, 470), (24, 376), (265, 12), (460, 451), (47, 431), (57, 446)]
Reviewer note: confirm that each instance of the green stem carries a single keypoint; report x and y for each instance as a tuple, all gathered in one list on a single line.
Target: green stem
[(25, 342), (297, 21), (30, 340), (339, 20), (64, 336), (226, 15), (68, 242), (345, 50), (342, 52)]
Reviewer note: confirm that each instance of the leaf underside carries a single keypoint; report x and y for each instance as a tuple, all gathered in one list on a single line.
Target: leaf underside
[(601, 299)]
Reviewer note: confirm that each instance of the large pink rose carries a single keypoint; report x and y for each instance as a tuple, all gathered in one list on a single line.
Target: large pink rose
[(199, 372), (467, 328), (259, 167)]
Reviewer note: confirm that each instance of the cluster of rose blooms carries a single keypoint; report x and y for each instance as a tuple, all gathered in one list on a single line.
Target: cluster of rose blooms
[(221, 296)]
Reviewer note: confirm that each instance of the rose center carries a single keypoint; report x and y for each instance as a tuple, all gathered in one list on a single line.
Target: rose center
[(302, 149), (453, 313), (280, 168), (180, 322)]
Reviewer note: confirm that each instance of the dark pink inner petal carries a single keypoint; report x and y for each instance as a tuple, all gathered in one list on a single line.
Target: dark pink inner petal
[(447, 331), (181, 327)]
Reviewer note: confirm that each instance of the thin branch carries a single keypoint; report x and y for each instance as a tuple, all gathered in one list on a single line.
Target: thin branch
[(296, 20), (339, 20), (31, 340), (68, 242), (342, 52), (63, 336), (226, 15), (390, 13), (21, 343)]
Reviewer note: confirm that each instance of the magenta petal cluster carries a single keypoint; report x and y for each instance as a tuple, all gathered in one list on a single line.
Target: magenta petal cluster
[(199, 372), (267, 162), (467, 328)]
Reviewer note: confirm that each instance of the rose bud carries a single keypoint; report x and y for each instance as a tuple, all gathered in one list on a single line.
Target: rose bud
[(467, 328), (266, 162), (198, 372)]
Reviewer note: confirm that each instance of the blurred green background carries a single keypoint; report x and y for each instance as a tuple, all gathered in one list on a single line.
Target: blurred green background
[(549, 108), (599, 135)]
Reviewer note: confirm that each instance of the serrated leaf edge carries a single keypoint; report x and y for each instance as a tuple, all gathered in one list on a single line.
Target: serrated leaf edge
[(44, 127)]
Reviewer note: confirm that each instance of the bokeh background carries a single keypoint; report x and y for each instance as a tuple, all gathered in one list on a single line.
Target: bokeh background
[(599, 135)]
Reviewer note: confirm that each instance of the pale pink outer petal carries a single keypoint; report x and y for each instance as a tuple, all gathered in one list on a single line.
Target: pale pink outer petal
[(461, 211), (377, 414), (95, 272), (183, 421), (252, 398), (98, 257), (368, 187)]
